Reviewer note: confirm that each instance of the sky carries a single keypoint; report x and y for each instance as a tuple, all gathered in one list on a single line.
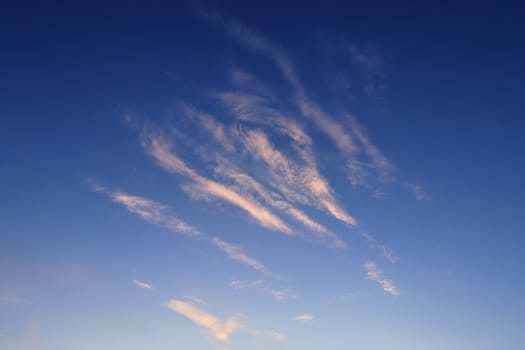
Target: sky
[(262, 175)]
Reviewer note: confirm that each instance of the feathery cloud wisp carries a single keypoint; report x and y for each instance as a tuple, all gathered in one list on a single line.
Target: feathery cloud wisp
[(261, 287), (159, 148), (304, 318), (142, 285), (235, 253), (154, 213), (219, 329), (417, 191), (373, 274), (309, 108), (148, 210)]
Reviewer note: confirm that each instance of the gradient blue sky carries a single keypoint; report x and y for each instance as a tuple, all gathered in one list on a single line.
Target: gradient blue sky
[(262, 176)]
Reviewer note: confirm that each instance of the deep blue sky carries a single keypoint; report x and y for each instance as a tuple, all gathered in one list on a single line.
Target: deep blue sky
[(102, 103)]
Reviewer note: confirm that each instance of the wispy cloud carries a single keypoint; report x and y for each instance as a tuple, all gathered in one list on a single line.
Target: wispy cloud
[(157, 146), (261, 287), (220, 329), (196, 299), (148, 210), (155, 213), (249, 187), (237, 254), (298, 183), (373, 274), (216, 327), (387, 252), (309, 108), (417, 191), (142, 285), (304, 318)]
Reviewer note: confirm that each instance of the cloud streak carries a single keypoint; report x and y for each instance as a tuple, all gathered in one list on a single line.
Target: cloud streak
[(155, 213), (235, 253), (159, 148), (304, 318), (142, 285), (261, 287), (148, 210), (220, 329), (418, 192), (344, 141), (216, 327), (373, 274)]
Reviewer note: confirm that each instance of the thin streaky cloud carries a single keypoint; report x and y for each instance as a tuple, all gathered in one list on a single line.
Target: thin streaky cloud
[(418, 192), (220, 329), (304, 318), (261, 287), (373, 274), (248, 186), (373, 243), (153, 212), (309, 108), (142, 285), (196, 299), (216, 327), (380, 162), (297, 183), (211, 125), (236, 253), (159, 148), (149, 210)]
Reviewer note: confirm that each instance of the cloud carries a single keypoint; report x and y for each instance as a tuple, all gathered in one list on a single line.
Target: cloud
[(304, 318), (261, 287), (387, 252), (212, 126), (142, 284), (158, 147), (298, 183), (220, 329), (373, 274), (418, 192), (155, 213), (249, 187), (196, 299), (235, 253), (148, 210), (310, 109)]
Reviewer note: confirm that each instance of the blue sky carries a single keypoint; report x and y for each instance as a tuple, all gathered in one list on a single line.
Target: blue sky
[(262, 176)]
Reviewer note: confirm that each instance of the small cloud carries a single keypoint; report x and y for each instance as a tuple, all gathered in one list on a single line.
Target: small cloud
[(261, 287), (142, 285), (235, 253), (196, 299), (376, 275), (417, 191), (147, 209), (304, 318), (220, 329)]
